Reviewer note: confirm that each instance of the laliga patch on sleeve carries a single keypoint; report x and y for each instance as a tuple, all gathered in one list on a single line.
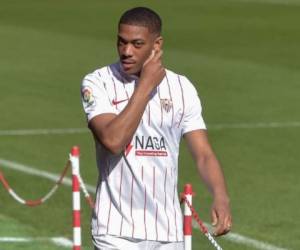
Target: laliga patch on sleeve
[(87, 96)]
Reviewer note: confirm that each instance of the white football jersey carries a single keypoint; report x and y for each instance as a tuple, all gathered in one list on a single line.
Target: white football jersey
[(137, 190)]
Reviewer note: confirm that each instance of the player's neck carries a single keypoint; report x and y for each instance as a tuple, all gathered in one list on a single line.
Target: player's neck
[(129, 76)]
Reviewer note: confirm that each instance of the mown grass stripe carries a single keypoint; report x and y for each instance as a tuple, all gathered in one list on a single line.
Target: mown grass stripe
[(217, 126), (233, 237)]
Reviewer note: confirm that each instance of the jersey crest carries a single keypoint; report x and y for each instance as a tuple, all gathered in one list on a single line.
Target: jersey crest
[(166, 104)]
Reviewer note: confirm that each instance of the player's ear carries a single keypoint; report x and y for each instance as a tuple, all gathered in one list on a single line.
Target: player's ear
[(158, 43)]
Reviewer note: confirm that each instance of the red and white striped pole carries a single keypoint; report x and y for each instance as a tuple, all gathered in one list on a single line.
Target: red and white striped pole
[(74, 158), (187, 223)]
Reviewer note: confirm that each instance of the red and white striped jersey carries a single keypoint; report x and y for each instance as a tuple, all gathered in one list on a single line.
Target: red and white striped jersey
[(137, 190)]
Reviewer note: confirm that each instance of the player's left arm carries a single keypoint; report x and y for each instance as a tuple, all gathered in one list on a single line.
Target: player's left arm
[(210, 171)]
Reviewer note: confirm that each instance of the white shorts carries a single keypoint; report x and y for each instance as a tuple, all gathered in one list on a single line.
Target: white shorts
[(110, 242)]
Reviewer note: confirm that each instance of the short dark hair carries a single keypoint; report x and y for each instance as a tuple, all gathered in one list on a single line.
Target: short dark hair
[(142, 16)]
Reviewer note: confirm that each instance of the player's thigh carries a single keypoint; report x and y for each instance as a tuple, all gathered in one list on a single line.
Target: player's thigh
[(170, 246), (110, 242)]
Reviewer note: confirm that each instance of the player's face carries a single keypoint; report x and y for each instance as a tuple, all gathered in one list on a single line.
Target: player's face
[(135, 44)]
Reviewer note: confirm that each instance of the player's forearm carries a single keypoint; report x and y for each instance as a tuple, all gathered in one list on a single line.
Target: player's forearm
[(120, 130), (211, 173)]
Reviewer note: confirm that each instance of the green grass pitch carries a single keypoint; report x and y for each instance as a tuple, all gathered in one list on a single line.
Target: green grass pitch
[(243, 57)]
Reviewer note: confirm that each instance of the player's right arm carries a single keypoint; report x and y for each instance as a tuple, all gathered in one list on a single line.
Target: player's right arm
[(113, 131)]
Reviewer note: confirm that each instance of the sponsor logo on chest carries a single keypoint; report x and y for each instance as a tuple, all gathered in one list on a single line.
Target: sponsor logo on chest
[(150, 146)]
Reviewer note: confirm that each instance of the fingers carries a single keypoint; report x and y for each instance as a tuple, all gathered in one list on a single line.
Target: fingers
[(214, 218), (154, 56), (222, 228), (153, 71), (222, 222), (157, 55), (150, 57), (228, 223)]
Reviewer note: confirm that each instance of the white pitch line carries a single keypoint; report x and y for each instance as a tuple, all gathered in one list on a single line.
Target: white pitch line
[(59, 241), (281, 2), (62, 241), (40, 173), (41, 131), (257, 125), (15, 239), (244, 240), (237, 238), (234, 237), (212, 126)]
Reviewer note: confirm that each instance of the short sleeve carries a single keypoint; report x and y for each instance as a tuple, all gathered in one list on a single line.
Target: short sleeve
[(192, 119), (94, 97)]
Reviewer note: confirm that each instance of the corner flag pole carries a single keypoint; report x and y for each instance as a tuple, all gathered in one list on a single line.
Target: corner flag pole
[(187, 224), (74, 158)]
